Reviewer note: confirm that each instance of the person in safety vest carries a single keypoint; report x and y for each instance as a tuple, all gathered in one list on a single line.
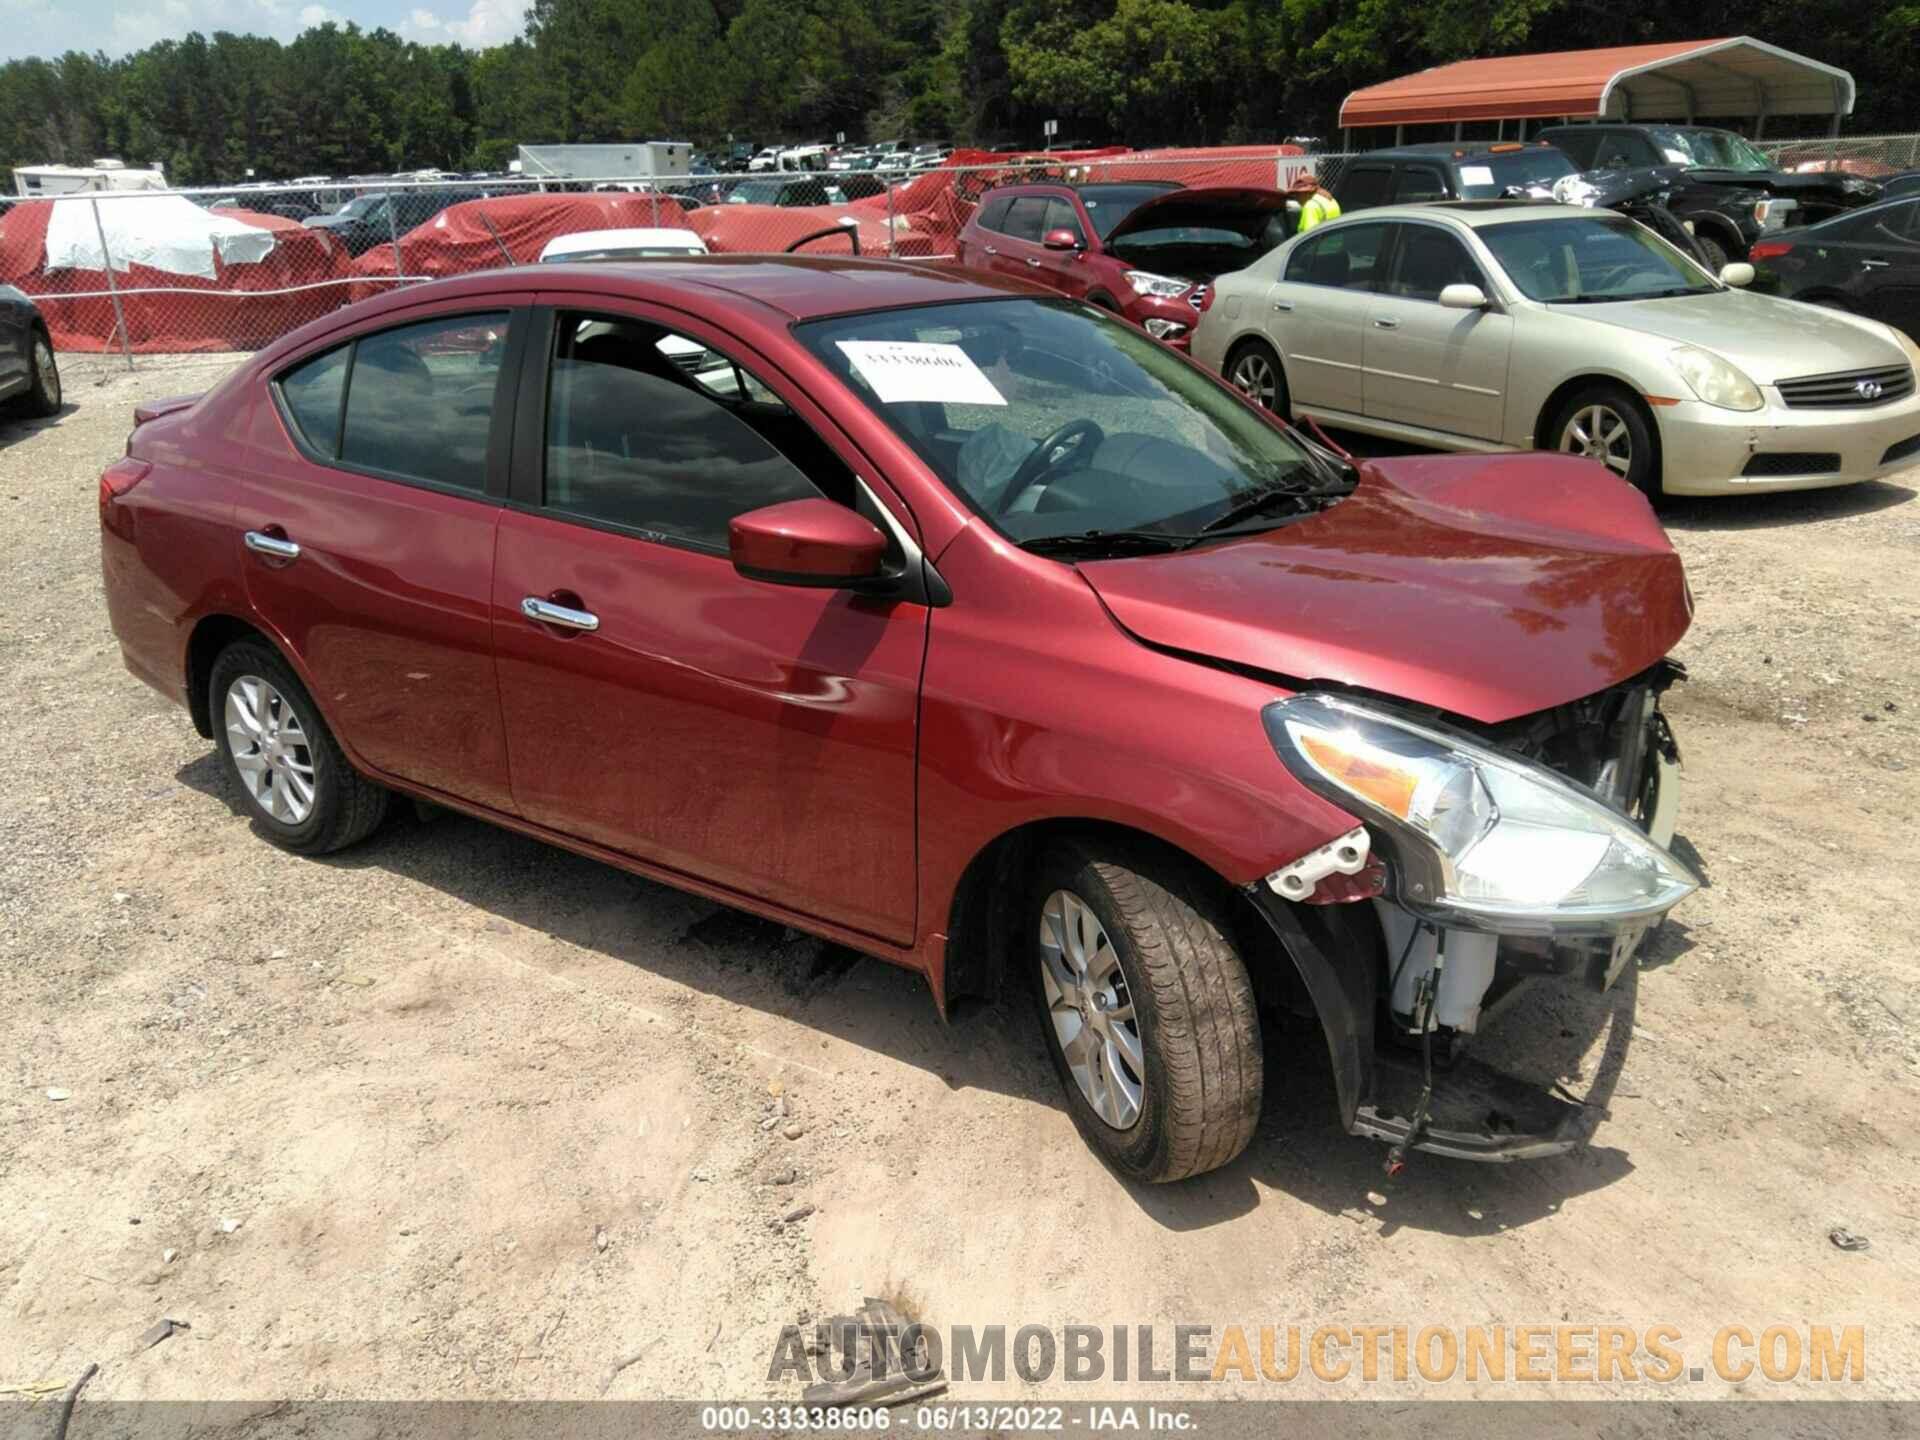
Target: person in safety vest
[(1317, 206)]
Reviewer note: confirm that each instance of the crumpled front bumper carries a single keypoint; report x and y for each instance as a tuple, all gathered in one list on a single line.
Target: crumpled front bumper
[(1475, 1111)]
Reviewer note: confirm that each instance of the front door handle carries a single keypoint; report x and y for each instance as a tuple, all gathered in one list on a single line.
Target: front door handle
[(277, 546), (1384, 324), (548, 613)]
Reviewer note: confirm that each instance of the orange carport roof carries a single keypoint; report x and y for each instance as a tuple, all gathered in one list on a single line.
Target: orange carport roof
[(1675, 81)]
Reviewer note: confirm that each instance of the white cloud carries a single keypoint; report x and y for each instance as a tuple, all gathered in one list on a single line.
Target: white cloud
[(51, 27), (312, 15)]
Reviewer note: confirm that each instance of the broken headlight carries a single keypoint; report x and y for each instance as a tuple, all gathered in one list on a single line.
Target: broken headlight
[(1480, 839)]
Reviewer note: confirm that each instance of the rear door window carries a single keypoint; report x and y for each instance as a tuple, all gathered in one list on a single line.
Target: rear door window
[(1345, 257), (1364, 186), (1026, 216), (420, 400)]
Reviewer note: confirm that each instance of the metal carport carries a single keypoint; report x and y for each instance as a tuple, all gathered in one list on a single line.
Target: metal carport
[(1681, 80)]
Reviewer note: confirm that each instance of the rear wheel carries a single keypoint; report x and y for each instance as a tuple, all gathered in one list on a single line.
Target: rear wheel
[(1715, 252), (296, 783), (1608, 423), (1254, 370), (43, 399), (1146, 1009)]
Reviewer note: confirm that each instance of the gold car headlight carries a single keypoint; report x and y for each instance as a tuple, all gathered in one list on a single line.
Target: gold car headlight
[(1714, 380)]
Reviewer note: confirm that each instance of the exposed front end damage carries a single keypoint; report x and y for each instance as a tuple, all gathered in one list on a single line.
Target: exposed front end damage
[(1404, 979)]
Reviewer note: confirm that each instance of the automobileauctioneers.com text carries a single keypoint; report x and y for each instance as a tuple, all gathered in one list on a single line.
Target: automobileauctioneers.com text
[(1333, 1353)]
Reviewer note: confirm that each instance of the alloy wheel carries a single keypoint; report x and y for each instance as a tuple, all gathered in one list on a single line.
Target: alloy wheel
[(1599, 432), (1091, 1009), (270, 750), (46, 372), (1253, 377)]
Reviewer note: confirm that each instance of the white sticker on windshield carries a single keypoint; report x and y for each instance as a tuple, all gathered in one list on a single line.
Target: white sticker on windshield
[(906, 371), (1476, 174)]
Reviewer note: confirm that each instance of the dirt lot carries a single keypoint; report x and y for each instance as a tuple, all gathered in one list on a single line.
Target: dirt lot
[(457, 1114)]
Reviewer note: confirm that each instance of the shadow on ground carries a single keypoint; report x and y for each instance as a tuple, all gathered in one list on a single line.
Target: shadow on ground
[(1299, 1149)]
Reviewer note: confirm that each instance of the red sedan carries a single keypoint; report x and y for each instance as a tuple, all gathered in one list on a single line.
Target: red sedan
[(962, 625)]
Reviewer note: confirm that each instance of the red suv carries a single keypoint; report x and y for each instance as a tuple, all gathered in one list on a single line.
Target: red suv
[(1146, 249), (959, 624)]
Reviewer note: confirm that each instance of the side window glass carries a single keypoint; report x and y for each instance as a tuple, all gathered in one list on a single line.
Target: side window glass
[(1025, 216), (1060, 216), (1365, 186), (1581, 147), (993, 214), (1342, 257), (1427, 261), (313, 393), (1415, 183), (420, 400), (654, 432)]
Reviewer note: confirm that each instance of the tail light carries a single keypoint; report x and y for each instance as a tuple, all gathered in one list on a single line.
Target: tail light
[(116, 480), (1769, 250)]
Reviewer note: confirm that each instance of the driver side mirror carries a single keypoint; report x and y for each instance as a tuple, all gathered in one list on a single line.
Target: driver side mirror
[(1062, 239), (812, 542), (1738, 274), (1463, 297)]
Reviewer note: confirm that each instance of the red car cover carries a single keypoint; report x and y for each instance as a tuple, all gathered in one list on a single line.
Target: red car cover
[(304, 277)]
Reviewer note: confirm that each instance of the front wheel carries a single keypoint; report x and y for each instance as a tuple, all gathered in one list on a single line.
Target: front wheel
[(298, 786), (1254, 370), (43, 397), (1146, 1009), (1607, 423), (1713, 250)]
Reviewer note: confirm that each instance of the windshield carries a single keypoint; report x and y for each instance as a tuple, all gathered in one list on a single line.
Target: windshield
[(1053, 420), (362, 206), (1591, 259), (1488, 177), (1108, 205), (1712, 149)]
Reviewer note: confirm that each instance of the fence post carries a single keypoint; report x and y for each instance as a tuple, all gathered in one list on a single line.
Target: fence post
[(654, 192), (106, 258), (890, 234), (393, 234)]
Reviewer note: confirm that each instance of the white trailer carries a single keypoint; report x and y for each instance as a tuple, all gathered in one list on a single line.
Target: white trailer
[(642, 160), (40, 180)]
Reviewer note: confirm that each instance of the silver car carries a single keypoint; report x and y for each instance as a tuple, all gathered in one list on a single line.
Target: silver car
[(1503, 325)]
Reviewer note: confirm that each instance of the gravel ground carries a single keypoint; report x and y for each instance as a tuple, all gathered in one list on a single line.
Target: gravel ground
[(455, 1114)]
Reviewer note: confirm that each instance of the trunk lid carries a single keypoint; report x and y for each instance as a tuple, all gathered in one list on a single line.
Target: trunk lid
[(1488, 586)]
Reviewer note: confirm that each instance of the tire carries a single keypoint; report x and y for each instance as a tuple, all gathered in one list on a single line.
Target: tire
[(1248, 361), (1635, 441), (335, 806), (1166, 987), (43, 399), (1715, 252)]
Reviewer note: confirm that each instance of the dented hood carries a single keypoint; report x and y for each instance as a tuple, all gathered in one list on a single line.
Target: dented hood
[(1489, 586)]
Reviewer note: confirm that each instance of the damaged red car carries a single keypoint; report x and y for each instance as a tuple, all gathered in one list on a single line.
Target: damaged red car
[(962, 625)]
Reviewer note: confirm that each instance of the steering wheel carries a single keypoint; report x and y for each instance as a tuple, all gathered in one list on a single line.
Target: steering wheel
[(1083, 435)]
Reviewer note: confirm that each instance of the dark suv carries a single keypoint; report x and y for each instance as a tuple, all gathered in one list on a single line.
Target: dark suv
[(1728, 189), (1409, 174), (376, 218)]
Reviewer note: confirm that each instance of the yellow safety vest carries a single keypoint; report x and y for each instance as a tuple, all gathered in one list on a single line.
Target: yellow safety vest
[(1318, 209)]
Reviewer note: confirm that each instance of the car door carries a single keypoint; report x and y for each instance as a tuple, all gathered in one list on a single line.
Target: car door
[(1318, 311), (1427, 365), (1021, 254), (369, 540), (1063, 270), (1881, 255), (759, 737)]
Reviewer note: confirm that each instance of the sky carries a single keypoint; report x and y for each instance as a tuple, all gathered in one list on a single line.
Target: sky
[(50, 27)]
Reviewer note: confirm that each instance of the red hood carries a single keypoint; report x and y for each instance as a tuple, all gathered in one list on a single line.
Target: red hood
[(1489, 586)]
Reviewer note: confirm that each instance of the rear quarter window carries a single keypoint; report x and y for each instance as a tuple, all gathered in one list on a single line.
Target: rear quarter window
[(312, 392), (1364, 186)]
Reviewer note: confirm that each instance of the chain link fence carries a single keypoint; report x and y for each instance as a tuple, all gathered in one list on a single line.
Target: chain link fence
[(1872, 157), (166, 272)]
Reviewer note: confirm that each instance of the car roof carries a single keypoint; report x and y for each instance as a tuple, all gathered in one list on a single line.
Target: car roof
[(1451, 150), (1477, 214), (800, 287)]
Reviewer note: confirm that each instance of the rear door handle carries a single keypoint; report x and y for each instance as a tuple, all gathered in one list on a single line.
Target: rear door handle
[(1283, 305), (993, 249), (263, 544), (1385, 324), (548, 613), (1033, 262)]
